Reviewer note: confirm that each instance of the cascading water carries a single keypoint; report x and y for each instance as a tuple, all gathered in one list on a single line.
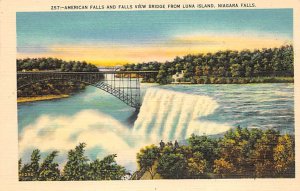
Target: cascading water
[(165, 115), (171, 115), (99, 120)]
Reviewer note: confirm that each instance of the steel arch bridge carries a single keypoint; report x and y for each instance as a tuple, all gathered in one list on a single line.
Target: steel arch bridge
[(125, 85)]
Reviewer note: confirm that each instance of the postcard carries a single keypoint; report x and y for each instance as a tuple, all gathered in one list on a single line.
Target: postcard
[(145, 95)]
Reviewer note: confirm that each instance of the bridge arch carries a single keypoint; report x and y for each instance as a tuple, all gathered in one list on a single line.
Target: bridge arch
[(129, 94)]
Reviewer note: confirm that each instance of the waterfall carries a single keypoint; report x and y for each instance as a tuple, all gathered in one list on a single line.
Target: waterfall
[(171, 115)]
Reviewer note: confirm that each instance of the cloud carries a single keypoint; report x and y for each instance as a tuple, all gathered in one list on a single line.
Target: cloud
[(213, 42), (105, 53), (32, 49)]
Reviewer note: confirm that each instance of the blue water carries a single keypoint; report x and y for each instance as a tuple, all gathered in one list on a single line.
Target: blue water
[(90, 98), (251, 105), (168, 112)]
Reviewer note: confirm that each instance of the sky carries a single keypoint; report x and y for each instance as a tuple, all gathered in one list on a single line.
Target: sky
[(114, 38)]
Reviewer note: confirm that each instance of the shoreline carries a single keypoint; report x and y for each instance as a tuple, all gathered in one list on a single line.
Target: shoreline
[(241, 81), (40, 98), (51, 97)]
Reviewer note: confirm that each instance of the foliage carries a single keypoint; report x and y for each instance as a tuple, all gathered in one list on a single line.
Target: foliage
[(284, 156), (49, 169), (25, 174), (223, 168), (197, 165), (54, 64), (172, 166), (263, 154), (34, 165), (19, 167), (76, 168), (147, 157), (226, 66), (30, 171), (240, 153), (77, 165), (106, 169), (52, 87), (204, 146)]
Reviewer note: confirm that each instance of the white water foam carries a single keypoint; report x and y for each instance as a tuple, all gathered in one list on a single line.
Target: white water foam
[(171, 115), (164, 114), (89, 126)]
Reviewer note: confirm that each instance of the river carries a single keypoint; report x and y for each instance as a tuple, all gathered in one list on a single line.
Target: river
[(169, 112)]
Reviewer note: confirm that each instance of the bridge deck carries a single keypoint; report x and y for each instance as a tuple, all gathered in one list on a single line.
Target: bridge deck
[(125, 85)]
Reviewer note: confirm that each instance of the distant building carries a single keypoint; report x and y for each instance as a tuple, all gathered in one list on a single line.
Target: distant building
[(178, 77), (118, 67)]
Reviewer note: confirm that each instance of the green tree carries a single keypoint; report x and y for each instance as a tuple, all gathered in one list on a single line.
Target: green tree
[(248, 71), (257, 63), (236, 148), (221, 71), (30, 172), (77, 166), (146, 159), (25, 173), (205, 146), (197, 165), (235, 70), (223, 168), (49, 169), (263, 154), (206, 70), (172, 166), (198, 71), (284, 156), (20, 168), (34, 164), (106, 169)]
